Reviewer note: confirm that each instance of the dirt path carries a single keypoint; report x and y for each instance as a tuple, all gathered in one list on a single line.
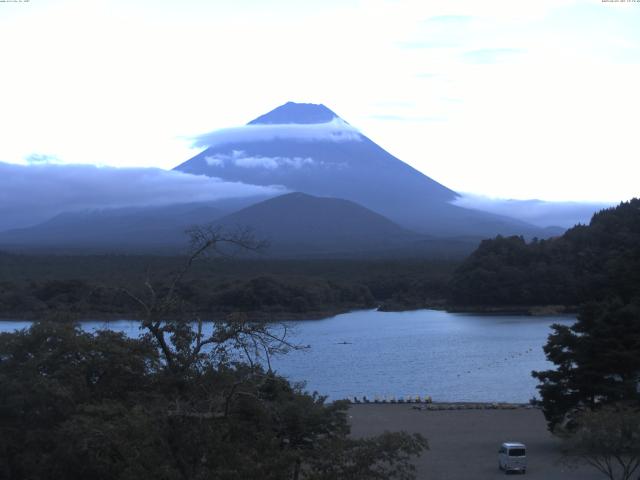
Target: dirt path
[(464, 443)]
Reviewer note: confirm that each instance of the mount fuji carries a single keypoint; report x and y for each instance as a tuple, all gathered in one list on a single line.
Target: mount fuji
[(308, 148), (343, 196)]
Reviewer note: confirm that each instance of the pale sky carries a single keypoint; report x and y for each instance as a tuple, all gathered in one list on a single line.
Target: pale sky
[(510, 98)]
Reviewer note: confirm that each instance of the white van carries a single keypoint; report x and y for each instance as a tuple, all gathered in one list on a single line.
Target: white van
[(512, 457)]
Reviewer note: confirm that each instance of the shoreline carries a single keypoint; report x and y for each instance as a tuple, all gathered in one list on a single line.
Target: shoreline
[(444, 405), (274, 317), (267, 317), (530, 310)]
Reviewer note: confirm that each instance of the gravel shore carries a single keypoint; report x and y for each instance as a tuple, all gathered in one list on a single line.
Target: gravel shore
[(464, 442)]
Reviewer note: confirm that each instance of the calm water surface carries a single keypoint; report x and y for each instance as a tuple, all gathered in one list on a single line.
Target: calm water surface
[(452, 357)]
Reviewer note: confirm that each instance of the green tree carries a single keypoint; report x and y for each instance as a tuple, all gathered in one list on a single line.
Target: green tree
[(597, 361)]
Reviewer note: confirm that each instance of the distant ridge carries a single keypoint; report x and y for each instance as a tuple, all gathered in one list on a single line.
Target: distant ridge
[(129, 229), (294, 225), (297, 223)]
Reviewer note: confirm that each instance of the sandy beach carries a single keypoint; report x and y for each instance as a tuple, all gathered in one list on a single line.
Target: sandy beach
[(464, 443)]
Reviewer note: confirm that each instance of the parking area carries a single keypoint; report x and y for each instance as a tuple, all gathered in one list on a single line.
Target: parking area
[(464, 444)]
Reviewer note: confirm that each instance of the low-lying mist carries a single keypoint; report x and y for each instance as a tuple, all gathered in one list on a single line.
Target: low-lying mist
[(537, 212), (30, 194)]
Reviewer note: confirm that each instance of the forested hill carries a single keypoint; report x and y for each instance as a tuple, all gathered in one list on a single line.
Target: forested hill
[(588, 262)]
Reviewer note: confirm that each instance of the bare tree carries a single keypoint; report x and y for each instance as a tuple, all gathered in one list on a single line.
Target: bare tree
[(182, 346), (608, 439)]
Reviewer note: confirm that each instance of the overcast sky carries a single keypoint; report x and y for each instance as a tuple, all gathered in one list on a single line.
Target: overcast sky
[(511, 98)]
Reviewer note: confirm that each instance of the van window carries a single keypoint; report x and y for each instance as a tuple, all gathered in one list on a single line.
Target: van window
[(516, 452)]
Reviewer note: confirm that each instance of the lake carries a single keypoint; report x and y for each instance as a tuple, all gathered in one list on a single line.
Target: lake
[(449, 356)]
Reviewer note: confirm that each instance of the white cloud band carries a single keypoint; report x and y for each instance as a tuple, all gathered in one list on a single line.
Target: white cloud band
[(335, 131)]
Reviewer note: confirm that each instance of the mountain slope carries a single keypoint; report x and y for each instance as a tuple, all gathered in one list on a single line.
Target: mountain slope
[(308, 148), (121, 229), (297, 223)]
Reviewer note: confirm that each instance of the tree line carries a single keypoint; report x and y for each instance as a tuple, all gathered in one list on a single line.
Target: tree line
[(177, 403), (589, 262), (81, 287)]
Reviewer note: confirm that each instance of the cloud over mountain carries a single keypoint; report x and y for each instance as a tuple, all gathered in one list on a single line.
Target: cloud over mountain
[(336, 130), (33, 193), (536, 212), (240, 158)]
